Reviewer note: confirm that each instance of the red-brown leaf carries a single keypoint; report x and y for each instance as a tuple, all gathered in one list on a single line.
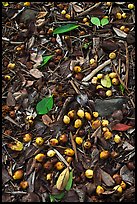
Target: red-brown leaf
[(121, 127)]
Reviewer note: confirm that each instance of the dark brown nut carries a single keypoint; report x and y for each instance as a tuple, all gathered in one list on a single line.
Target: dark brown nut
[(51, 65), (12, 114), (130, 166), (79, 76), (63, 138), (58, 51), (117, 178), (48, 166)]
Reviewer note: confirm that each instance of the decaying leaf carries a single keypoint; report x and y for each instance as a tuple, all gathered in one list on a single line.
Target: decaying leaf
[(106, 178), (46, 120), (120, 33), (41, 14), (121, 127), (126, 175), (127, 146), (18, 146), (10, 99), (77, 8), (63, 179), (36, 73)]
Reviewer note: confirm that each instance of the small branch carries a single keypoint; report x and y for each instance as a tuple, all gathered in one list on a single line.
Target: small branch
[(12, 121), (89, 9), (127, 64), (74, 87), (74, 146), (95, 71)]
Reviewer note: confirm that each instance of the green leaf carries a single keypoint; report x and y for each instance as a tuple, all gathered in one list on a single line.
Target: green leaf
[(121, 87), (104, 21), (69, 184), (65, 28), (106, 81), (95, 21), (57, 196), (45, 60), (45, 105), (52, 199)]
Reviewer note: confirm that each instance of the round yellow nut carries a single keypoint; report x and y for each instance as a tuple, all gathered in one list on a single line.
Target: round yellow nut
[(24, 184), (117, 139), (66, 119), (122, 28), (118, 16), (94, 80), (95, 114), (131, 6), (71, 114), (99, 76), (115, 81), (30, 122), (113, 75), (108, 93), (80, 113), (105, 129), (118, 188), (11, 65), (112, 55), (67, 16), (59, 165), (49, 176), (51, 153), (63, 12), (39, 157), (89, 173), (124, 15), (104, 154), (18, 174), (92, 61), (85, 20), (26, 3), (53, 142), (107, 135), (105, 123), (99, 87), (27, 137), (78, 123), (87, 116), (96, 124), (69, 152), (87, 144), (79, 140), (39, 141), (77, 69), (7, 77), (99, 190), (123, 185)]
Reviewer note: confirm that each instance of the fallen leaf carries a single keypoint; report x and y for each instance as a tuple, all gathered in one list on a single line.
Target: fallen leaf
[(106, 81), (121, 127), (41, 14), (37, 58), (77, 8), (127, 175), (119, 32), (10, 99), (127, 147), (106, 178), (36, 73), (46, 120), (63, 179), (71, 196)]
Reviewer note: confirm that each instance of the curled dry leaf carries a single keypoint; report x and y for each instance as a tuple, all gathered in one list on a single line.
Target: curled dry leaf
[(40, 22), (120, 33), (126, 175), (47, 120), (41, 14), (10, 99), (36, 73), (37, 58), (63, 179)]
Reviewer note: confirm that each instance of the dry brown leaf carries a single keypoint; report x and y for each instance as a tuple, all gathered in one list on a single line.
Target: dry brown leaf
[(63, 179), (46, 120), (10, 99), (106, 178), (36, 73), (77, 8), (42, 14), (120, 33)]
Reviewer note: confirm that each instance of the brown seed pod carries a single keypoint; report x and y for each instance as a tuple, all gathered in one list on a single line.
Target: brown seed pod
[(63, 138), (117, 178), (48, 166)]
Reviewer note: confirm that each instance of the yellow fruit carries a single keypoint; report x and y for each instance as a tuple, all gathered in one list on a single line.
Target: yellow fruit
[(115, 81), (124, 15), (117, 178), (63, 138), (113, 75), (105, 129), (87, 23), (99, 76), (107, 135), (126, 30), (63, 12), (95, 114), (18, 174), (131, 6), (87, 116), (108, 93), (26, 3), (80, 113), (85, 20), (39, 141), (94, 80), (99, 190), (89, 173), (104, 154), (105, 17), (59, 165), (87, 144), (27, 137), (24, 184), (77, 69), (69, 152), (30, 122), (51, 153), (108, 3), (118, 188), (92, 61), (67, 16), (69, 159), (123, 185), (79, 140), (7, 77), (29, 117), (96, 124), (112, 55), (105, 123), (78, 123), (49, 177), (11, 65), (122, 28), (117, 139), (66, 119), (118, 16), (53, 142), (40, 157), (71, 114), (99, 87)]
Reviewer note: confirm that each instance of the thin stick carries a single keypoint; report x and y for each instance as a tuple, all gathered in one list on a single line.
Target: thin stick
[(89, 76), (74, 146), (127, 64), (89, 9)]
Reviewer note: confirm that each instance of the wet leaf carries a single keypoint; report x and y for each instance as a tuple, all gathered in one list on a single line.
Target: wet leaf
[(18, 146), (36, 73), (121, 127), (63, 179), (106, 81), (104, 21), (45, 60), (65, 28), (69, 184), (95, 21), (126, 175), (46, 120), (45, 105), (106, 178)]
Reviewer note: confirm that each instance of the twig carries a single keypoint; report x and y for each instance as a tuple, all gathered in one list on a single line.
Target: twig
[(89, 9), (127, 64), (11, 42), (89, 76), (74, 146), (12, 121), (74, 86)]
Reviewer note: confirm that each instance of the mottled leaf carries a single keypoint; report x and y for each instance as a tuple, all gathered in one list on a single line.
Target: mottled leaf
[(77, 8), (63, 179), (46, 120)]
